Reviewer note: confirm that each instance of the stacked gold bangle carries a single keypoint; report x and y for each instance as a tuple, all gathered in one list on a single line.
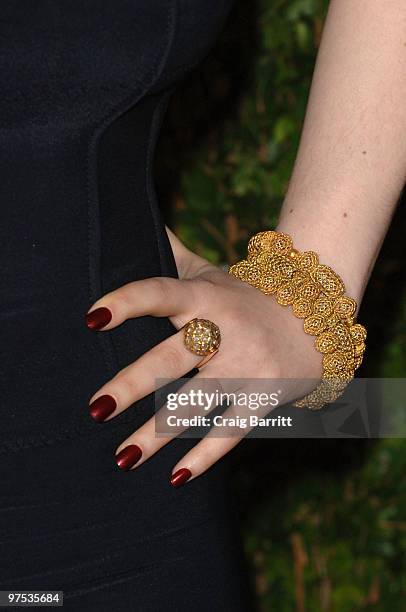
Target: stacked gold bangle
[(317, 295)]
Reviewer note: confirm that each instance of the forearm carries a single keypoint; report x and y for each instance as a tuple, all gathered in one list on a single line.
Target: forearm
[(351, 163)]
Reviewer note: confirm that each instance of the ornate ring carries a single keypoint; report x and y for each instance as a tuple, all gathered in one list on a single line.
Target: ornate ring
[(202, 337)]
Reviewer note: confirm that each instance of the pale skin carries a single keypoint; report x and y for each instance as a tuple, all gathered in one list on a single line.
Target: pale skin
[(348, 175)]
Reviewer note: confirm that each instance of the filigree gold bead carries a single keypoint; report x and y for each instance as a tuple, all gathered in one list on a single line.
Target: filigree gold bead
[(282, 243), (323, 306), (341, 331), (358, 333), (345, 306), (314, 325), (254, 275), (329, 281), (302, 403), (323, 394), (270, 284), (326, 342), (262, 241), (286, 294), (282, 266), (357, 362), (299, 277), (308, 260), (335, 362), (350, 365), (309, 290), (240, 270), (338, 382), (302, 308), (328, 390), (359, 349), (262, 259), (313, 401), (332, 320)]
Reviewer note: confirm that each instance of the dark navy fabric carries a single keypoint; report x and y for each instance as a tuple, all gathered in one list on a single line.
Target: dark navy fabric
[(84, 86)]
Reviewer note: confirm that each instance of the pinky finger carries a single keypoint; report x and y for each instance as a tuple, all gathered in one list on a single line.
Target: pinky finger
[(202, 456)]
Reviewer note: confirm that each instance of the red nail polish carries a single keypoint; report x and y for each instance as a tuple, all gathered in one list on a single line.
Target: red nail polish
[(129, 456), (98, 318), (102, 407), (180, 477)]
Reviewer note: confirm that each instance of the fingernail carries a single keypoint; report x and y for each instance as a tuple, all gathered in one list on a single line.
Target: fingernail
[(129, 456), (98, 318), (180, 477), (102, 407)]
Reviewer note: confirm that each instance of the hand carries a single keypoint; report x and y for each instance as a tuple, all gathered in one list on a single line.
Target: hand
[(260, 339)]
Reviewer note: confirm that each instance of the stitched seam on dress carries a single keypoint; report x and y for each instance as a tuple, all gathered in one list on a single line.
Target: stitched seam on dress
[(131, 574), (87, 529), (72, 433), (143, 83), (179, 71), (151, 193), (101, 559), (151, 77), (154, 131)]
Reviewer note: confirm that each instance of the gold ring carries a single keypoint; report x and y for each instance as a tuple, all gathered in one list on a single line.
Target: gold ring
[(202, 337)]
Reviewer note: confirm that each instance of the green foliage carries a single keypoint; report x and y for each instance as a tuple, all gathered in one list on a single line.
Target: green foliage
[(345, 534), (240, 174)]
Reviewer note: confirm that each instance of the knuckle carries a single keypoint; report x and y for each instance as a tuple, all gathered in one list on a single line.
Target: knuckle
[(265, 361), (162, 288), (173, 357), (272, 367), (203, 291), (128, 382), (123, 296), (239, 318)]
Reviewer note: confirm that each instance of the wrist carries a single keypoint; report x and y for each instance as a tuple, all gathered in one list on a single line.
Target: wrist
[(316, 294), (341, 251)]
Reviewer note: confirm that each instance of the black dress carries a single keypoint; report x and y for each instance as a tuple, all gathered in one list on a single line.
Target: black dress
[(84, 85)]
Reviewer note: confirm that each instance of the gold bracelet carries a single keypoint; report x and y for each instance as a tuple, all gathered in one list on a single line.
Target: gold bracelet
[(317, 295)]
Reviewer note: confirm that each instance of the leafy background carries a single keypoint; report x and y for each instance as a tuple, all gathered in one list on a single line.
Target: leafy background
[(323, 521)]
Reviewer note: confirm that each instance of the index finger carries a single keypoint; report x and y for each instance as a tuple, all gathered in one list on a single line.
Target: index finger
[(159, 296)]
